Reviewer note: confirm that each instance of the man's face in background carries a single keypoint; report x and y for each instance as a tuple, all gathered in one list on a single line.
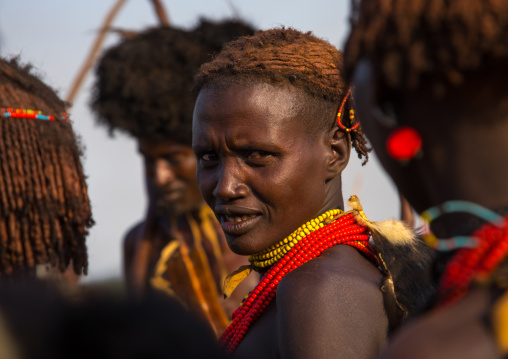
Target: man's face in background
[(170, 173)]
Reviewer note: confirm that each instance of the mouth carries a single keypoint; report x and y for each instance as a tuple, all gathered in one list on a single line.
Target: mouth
[(236, 224), (238, 219), (170, 195)]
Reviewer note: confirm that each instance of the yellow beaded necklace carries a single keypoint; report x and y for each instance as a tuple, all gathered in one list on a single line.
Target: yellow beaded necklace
[(269, 256)]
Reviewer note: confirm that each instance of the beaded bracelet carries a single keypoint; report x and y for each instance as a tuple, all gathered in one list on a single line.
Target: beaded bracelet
[(25, 113)]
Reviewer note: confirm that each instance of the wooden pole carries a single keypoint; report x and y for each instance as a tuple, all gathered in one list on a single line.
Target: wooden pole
[(161, 13), (78, 81)]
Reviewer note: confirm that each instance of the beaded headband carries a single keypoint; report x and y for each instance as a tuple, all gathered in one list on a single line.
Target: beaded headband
[(23, 113), (351, 115)]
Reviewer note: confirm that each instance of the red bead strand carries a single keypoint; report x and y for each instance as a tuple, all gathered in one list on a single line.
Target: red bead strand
[(469, 264), (344, 230)]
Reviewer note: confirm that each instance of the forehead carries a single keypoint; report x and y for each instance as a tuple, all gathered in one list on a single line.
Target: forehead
[(148, 146), (259, 110)]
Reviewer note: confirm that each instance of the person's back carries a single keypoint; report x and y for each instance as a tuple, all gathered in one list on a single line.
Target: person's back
[(432, 97)]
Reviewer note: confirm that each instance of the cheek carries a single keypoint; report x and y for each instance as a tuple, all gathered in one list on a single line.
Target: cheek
[(299, 184), (187, 168), (206, 185)]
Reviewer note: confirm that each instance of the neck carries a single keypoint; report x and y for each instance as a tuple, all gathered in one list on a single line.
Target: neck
[(333, 196)]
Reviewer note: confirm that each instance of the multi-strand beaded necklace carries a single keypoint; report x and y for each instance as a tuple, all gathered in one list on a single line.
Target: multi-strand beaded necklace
[(307, 242), (476, 256)]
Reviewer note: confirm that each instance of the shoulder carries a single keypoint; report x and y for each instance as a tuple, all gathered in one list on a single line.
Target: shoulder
[(338, 272), (457, 331), (129, 240), (334, 300)]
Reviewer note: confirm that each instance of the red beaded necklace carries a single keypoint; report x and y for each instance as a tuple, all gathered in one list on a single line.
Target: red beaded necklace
[(478, 263), (344, 230)]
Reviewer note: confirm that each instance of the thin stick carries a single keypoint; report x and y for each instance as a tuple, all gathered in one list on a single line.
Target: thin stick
[(94, 51), (161, 12)]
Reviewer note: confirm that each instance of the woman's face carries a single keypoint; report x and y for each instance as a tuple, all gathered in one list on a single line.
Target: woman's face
[(259, 167)]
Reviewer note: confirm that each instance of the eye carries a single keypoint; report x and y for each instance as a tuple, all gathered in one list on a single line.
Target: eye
[(175, 159), (207, 159), (255, 154), (259, 157)]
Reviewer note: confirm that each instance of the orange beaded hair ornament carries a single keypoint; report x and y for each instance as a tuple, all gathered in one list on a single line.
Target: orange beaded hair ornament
[(351, 115)]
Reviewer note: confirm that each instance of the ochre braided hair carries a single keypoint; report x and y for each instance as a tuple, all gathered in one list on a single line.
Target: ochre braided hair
[(412, 41), (290, 58), (44, 206)]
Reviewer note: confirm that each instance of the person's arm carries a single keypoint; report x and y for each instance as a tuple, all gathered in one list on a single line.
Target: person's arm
[(138, 247), (329, 309), (129, 246)]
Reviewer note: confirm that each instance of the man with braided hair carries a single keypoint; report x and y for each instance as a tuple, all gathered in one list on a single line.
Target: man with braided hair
[(272, 131), (44, 206), (430, 79), (144, 87)]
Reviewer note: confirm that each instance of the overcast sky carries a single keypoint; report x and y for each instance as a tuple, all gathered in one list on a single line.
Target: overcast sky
[(55, 36)]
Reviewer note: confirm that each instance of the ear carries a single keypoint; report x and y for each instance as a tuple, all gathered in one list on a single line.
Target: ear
[(339, 143)]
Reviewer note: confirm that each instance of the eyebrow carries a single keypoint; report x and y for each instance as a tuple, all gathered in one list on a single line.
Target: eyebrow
[(171, 152)]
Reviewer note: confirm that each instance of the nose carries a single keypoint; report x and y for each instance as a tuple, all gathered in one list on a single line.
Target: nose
[(230, 182), (163, 173)]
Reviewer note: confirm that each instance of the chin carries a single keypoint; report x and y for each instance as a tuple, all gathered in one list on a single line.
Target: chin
[(241, 246)]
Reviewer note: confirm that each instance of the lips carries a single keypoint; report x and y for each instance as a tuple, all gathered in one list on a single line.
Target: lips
[(173, 195), (237, 221), (170, 194)]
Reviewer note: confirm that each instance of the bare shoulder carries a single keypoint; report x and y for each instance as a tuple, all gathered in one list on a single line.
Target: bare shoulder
[(132, 234), (341, 272), (332, 306), (129, 245)]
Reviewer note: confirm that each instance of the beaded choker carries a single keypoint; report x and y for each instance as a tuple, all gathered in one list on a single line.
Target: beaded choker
[(24, 113), (306, 243)]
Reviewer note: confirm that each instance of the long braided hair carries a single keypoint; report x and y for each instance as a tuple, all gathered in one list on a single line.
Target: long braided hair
[(44, 206), (287, 57)]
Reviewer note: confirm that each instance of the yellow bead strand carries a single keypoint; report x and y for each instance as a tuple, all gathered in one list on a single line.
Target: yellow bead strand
[(271, 255)]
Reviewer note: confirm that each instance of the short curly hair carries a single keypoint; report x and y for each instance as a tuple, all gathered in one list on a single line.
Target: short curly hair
[(290, 58), (144, 85), (433, 41), (44, 206)]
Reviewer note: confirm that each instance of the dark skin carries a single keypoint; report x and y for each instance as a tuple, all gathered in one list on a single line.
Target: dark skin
[(443, 334), (173, 192), (264, 169), (463, 159)]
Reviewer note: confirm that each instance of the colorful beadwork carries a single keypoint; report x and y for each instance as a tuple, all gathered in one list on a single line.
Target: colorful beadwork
[(477, 255), (25, 113), (470, 264), (274, 253), (351, 115), (342, 230), (449, 244), (404, 143)]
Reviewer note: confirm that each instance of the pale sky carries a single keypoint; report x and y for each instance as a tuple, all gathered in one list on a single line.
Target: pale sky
[(55, 36)]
